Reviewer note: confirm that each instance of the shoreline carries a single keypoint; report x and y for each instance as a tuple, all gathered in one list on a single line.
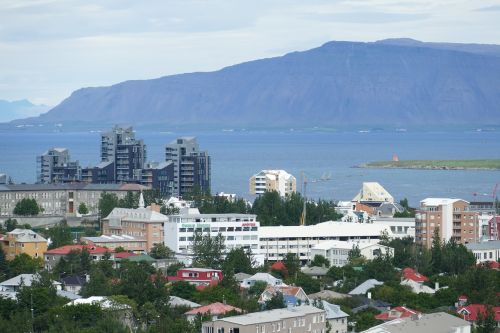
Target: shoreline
[(475, 165)]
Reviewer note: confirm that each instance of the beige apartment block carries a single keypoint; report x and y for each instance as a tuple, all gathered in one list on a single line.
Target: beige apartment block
[(143, 223), (291, 320), (273, 180), (23, 241), (451, 217)]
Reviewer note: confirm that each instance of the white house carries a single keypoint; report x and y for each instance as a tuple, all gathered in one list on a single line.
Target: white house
[(336, 317), (337, 252), (486, 251), (262, 277)]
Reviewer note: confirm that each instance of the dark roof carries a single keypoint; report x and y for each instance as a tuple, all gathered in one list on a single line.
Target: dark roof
[(72, 186), (73, 280)]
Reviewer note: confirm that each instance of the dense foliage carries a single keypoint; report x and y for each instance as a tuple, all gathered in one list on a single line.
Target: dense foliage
[(27, 207)]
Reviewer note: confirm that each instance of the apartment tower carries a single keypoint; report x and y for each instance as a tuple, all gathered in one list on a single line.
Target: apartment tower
[(273, 180), (54, 166)]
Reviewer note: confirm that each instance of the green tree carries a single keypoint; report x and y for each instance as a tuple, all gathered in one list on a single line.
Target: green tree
[(486, 322), (24, 264), (208, 251), (107, 203), (436, 251), (98, 284), (82, 209), (4, 265), (366, 319), (277, 301), (238, 261), (60, 235), (173, 268), (27, 207), (354, 256), (183, 289), (10, 224), (319, 261), (292, 263), (169, 210), (307, 283), (160, 251), (120, 249), (131, 200)]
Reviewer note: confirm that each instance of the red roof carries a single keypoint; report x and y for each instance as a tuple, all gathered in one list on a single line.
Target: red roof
[(122, 255), (214, 309), (462, 298), (397, 312), (471, 312), (279, 266), (66, 249), (411, 274)]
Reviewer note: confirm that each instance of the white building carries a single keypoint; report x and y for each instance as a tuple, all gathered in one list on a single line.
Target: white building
[(275, 242), (337, 252), (336, 317), (373, 192), (273, 180), (262, 277), (401, 227), (486, 251), (238, 230)]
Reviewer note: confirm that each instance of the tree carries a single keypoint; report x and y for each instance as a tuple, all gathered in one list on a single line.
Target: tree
[(107, 203), (208, 251), (307, 283), (169, 210), (238, 261), (120, 249), (319, 261), (160, 251), (436, 251), (131, 200), (27, 207), (354, 255), (292, 264), (82, 209), (183, 289), (60, 235), (10, 224), (98, 284), (486, 322), (4, 265), (277, 301), (24, 264)]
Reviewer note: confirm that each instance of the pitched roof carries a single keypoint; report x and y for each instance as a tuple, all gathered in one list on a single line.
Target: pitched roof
[(241, 276), (271, 315), (315, 271), (439, 322), (213, 309), (397, 312), (365, 286), (26, 236), (471, 312), (327, 294), (25, 279), (489, 245), (411, 274), (66, 249), (279, 266), (177, 301), (73, 280), (333, 311)]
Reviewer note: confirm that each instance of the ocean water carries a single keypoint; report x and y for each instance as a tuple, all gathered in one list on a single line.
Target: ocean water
[(236, 155)]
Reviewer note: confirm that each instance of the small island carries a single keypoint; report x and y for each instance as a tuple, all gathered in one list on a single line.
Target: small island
[(435, 164)]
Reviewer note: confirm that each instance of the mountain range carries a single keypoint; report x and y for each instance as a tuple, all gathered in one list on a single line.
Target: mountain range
[(394, 82), (10, 110)]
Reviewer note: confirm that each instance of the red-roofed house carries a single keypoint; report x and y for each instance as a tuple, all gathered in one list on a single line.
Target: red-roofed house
[(473, 312), (410, 274), (200, 277), (396, 313), (462, 300), (53, 256), (214, 309)]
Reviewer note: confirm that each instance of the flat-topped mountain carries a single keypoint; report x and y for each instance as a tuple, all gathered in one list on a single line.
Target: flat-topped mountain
[(396, 82)]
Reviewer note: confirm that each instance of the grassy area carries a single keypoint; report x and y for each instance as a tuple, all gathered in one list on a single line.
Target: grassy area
[(436, 164)]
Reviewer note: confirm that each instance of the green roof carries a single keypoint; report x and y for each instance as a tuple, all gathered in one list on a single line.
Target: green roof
[(141, 257)]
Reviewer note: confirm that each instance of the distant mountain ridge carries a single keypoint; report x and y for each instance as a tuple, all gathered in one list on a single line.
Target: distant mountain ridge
[(396, 82), (10, 110)]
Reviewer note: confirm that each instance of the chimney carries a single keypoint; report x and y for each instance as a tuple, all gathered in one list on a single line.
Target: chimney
[(436, 286), (87, 278), (369, 295)]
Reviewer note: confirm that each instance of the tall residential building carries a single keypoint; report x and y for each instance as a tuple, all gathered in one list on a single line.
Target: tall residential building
[(451, 217), (191, 166), (26, 241), (159, 176), (128, 154), (273, 180), (54, 166)]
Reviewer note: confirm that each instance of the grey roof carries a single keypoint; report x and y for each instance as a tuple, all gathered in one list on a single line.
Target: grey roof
[(490, 245), (272, 315), (327, 294), (439, 322), (69, 295), (70, 186), (333, 311), (27, 236), (365, 286), (177, 301), (241, 276), (26, 279), (103, 164), (315, 271), (73, 280)]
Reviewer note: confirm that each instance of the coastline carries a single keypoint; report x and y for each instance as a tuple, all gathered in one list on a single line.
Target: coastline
[(476, 165)]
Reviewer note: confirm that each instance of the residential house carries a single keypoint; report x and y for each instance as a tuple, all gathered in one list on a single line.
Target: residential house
[(73, 283), (53, 256), (364, 287), (337, 252), (327, 294), (291, 294), (175, 301), (240, 277), (396, 313), (336, 317), (215, 310), (415, 280), (488, 251), (15, 283), (264, 277), (291, 320), (315, 272), (273, 180), (129, 243), (439, 322), (25, 241), (199, 277), (473, 312)]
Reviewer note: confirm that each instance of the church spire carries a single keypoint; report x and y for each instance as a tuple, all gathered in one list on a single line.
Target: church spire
[(141, 201)]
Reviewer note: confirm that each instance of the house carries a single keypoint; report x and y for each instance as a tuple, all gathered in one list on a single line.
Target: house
[(369, 303), (14, 284), (239, 277), (292, 295), (264, 277), (396, 313), (418, 288), (122, 312), (486, 251), (328, 294), (214, 309), (439, 322), (410, 274), (315, 272), (291, 320), (25, 241), (473, 312), (280, 266), (73, 283), (200, 277), (129, 243), (53, 256), (363, 288), (175, 301), (337, 252), (336, 317)]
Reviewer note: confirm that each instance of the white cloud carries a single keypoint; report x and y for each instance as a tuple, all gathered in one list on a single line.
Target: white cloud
[(50, 48)]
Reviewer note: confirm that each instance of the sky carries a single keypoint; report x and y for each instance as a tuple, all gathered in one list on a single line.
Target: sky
[(50, 48)]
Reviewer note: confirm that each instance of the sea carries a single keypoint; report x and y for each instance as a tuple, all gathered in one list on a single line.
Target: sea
[(327, 158)]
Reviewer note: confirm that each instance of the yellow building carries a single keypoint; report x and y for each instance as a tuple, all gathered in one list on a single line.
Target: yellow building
[(23, 241)]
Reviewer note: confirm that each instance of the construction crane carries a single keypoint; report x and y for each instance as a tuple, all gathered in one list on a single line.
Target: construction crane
[(326, 177), (492, 225)]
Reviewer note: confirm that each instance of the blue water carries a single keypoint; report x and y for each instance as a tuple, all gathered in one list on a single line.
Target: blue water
[(239, 154)]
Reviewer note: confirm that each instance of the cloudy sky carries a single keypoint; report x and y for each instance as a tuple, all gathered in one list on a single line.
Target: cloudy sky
[(50, 48)]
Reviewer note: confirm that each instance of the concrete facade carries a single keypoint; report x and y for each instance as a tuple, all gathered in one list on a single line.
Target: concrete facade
[(273, 180)]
